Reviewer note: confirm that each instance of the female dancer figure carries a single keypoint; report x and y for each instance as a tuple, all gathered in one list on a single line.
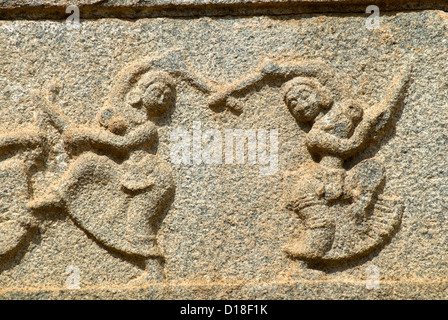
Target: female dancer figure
[(116, 189), (334, 137), (338, 132)]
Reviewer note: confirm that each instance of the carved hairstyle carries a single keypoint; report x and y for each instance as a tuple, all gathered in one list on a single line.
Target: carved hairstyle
[(305, 98), (154, 91)]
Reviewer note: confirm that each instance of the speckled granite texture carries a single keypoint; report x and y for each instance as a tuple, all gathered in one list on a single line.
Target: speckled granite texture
[(99, 198)]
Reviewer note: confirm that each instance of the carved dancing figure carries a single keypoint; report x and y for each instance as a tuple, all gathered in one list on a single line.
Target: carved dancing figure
[(336, 136), (327, 196), (116, 189)]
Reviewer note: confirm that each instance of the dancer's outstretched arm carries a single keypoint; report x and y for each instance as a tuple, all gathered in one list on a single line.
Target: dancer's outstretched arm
[(194, 80), (25, 138), (273, 70)]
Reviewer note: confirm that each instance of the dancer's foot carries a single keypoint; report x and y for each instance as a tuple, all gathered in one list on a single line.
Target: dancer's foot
[(146, 278), (318, 241), (12, 233), (301, 251), (153, 273)]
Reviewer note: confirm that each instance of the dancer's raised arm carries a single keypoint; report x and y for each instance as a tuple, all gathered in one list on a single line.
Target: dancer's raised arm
[(382, 113), (374, 121), (59, 120)]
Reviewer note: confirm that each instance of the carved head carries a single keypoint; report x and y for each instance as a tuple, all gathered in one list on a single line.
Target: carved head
[(305, 98), (155, 92)]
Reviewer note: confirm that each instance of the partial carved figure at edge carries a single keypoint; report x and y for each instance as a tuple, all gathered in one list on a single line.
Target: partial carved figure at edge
[(19, 152)]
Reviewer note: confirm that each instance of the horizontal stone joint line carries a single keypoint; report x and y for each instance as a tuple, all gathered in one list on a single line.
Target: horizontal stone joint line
[(206, 8)]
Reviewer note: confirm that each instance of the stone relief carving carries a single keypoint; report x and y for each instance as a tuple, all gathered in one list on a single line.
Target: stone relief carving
[(116, 156), (227, 96), (344, 212), (116, 188), (20, 151)]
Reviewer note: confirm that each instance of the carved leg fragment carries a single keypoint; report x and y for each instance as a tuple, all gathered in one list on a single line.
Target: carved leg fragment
[(15, 220), (319, 234)]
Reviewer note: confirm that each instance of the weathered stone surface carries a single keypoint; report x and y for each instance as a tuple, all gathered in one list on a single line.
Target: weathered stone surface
[(96, 204)]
